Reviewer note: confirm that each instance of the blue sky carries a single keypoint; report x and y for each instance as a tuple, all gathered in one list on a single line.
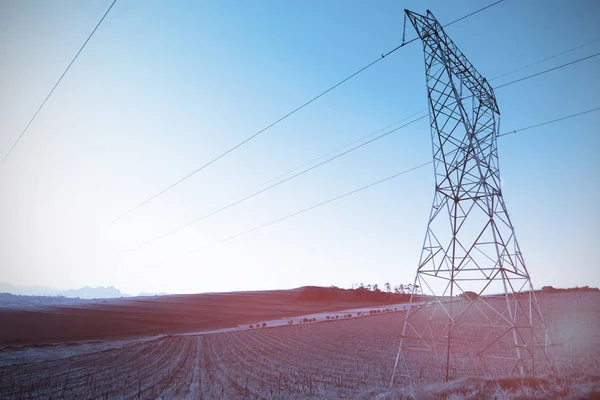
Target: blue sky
[(163, 87)]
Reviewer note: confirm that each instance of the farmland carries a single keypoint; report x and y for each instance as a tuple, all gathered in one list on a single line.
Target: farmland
[(77, 320), (339, 358)]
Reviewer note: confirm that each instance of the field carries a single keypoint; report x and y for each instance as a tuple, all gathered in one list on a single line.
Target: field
[(339, 358), (75, 320)]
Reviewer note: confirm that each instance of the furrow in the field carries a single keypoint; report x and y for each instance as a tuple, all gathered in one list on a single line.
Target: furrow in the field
[(181, 375), (326, 347), (216, 371), (266, 364), (294, 372), (97, 374)]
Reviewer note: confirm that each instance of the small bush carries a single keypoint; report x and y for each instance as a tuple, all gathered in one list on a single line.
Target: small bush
[(264, 324)]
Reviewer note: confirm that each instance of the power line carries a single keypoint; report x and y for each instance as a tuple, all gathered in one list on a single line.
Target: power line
[(56, 84), (187, 224), (548, 70), (316, 205), (286, 116), (338, 149), (424, 110), (371, 185), (549, 122), (473, 13), (251, 137), (545, 59), (279, 183)]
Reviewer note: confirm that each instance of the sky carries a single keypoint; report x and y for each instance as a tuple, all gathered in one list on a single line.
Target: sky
[(164, 87)]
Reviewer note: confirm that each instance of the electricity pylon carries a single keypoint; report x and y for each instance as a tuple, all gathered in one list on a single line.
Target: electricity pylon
[(482, 316)]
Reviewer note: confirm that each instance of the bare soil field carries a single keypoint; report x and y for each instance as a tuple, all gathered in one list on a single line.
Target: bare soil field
[(340, 358), (147, 316)]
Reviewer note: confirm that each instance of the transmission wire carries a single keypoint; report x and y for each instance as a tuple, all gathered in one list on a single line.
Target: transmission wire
[(545, 59), (549, 122), (548, 70), (373, 184), (187, 224), (280, 182), (56, 84), (285, 117), (316, 205)]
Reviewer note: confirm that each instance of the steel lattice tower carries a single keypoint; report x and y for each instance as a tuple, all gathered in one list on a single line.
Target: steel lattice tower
[(470, 243)]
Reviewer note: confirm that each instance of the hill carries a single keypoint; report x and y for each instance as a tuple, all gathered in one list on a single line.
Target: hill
[(142, 316)]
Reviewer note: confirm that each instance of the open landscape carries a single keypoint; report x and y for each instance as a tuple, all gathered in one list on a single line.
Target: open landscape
[(203, 200), (344, 357)]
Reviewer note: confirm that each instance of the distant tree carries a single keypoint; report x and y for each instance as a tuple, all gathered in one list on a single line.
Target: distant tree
[(388, 287), (362, 285), (409, 288), (291, 322), (369, 286), (264, 324), (327, 317), (396, 289), (251, 326), (469, 295), (376, 288), (417, 287), (401, 288), (337, 317)]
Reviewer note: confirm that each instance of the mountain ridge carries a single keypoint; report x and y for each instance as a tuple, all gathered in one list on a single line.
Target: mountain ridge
[(87, 292)]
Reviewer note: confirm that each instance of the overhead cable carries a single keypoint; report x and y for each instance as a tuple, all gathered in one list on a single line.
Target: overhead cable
[(316, 205), (545, 59), (187, 224), (280, 182), (284, 117), (548, 70), (56, 84), (371, 185)]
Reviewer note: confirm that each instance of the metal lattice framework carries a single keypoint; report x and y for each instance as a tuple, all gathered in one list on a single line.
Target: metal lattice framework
[(482, 316)]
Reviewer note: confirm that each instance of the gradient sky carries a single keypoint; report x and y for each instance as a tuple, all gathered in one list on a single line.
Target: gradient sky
[(164, 87)]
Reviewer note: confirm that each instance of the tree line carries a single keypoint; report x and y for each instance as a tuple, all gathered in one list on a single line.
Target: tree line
[(388, 288)]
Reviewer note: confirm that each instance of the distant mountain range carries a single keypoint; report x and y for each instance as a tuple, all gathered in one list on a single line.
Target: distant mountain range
[(87, 292)]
